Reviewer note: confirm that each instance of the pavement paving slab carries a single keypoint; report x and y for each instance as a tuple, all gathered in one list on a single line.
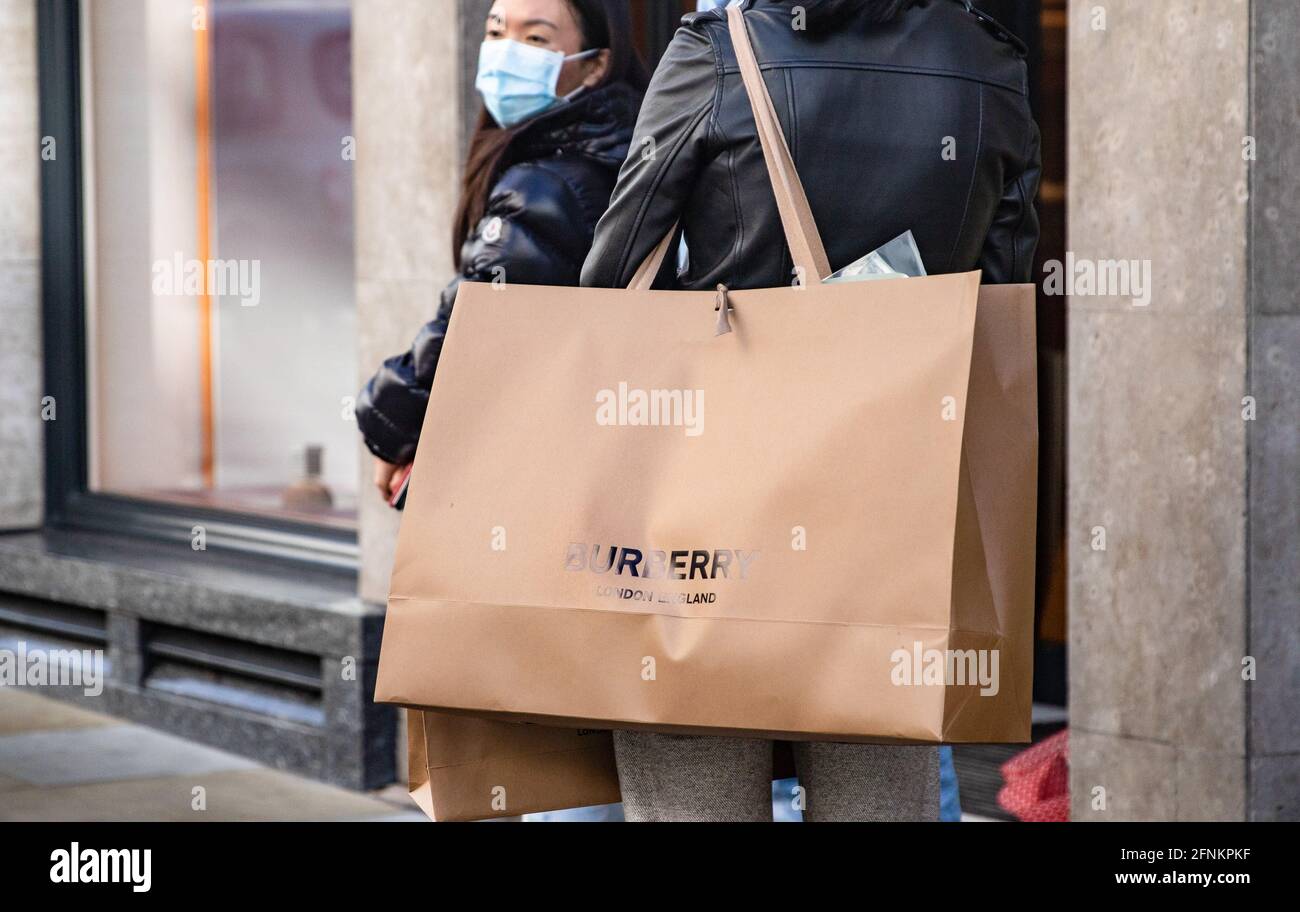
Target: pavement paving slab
[(59, 762), (107, 753), (24, 710), (245, 795)]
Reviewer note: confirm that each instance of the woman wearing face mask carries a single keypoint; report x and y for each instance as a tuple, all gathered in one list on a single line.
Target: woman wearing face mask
[(561, 85)]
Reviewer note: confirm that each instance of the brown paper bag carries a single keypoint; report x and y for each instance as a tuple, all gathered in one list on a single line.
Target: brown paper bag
[(463, 768), (817, 526)]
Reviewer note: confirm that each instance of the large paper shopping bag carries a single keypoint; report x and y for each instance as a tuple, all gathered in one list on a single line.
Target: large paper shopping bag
[(816, 525), (462, 768)]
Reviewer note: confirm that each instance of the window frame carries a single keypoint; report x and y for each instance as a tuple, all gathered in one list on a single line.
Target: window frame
[(69, 502)]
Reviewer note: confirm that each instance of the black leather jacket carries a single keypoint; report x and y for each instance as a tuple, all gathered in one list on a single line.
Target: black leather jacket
[(919, 123), (537, 229)]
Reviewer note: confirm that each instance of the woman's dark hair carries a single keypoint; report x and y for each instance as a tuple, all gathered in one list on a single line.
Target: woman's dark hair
[(608, 24), (826, 13), (604, 24)]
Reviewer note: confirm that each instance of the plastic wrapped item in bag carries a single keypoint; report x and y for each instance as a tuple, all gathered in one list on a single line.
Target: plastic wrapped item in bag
[(899, 259)]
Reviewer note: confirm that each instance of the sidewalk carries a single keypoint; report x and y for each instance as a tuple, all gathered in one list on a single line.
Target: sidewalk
[(62, 763)]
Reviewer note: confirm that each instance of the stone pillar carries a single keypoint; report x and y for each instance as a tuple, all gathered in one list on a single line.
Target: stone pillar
[(1183, 458), (413, 65), (410, 61), (22, 435)]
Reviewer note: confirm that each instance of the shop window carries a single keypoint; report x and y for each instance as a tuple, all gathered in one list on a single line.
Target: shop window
[(220, 322)]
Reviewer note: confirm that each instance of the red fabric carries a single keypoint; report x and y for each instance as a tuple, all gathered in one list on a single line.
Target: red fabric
[(1037, 786)]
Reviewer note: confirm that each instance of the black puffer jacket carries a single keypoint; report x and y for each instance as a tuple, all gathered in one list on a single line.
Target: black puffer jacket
[(869, 109), (537, 229)]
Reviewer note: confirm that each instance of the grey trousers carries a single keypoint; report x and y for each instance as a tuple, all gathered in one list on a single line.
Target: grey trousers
[(689, 778)]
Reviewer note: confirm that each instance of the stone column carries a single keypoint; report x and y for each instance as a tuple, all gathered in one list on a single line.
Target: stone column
[(410, 60), (413, 65), (1183, 458), (22, 440)]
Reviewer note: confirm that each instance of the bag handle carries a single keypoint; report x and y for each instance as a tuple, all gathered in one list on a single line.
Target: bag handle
[(796, 216), (801, 233)]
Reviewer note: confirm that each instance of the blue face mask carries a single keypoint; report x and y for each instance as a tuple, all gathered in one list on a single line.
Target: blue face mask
[(518, 80)]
